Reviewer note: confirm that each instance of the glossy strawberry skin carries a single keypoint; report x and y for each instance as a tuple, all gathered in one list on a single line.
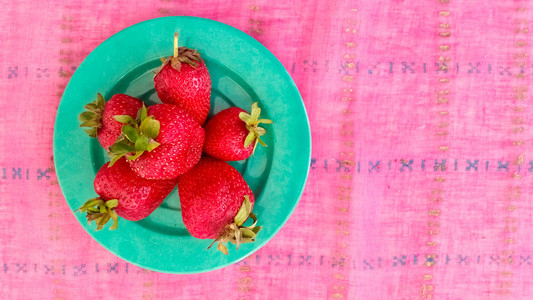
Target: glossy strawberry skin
[(119, 104), (225, 134), (181, 139), (189, 88), (137, 197), (211, 194)]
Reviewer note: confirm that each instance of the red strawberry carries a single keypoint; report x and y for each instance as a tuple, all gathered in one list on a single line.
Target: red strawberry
[(215, 203), (184, 80), (124, 193), (229, 135), (163, 143), (100, 117)]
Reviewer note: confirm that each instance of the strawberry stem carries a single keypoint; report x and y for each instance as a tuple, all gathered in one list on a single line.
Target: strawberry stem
[(181, 55), (100, 211), (137, 136), (252, 124), (176, 34), (236, 233), (92, 116)]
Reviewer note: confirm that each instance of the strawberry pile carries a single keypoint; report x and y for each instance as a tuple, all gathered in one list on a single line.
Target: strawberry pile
[(153, 149)]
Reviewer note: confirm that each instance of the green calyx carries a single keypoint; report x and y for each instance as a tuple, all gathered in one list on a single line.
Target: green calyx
[(181, 55), (100, 211), (137, 136), (235, 232), (252, 124), (92, 116)]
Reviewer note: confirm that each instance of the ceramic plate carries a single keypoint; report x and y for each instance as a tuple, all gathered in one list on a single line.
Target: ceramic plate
[(242, 72)]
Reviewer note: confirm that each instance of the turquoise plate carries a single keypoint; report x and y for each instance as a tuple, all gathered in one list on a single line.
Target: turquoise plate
[(242, 72)]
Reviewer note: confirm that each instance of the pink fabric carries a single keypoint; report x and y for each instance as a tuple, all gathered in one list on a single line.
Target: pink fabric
[(392, 88)]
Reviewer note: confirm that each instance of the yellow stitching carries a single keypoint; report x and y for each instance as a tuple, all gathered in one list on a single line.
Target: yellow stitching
[(347, 78), (434, 212)]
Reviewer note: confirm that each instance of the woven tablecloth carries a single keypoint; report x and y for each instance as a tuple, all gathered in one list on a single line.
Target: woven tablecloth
[(420, 179)]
